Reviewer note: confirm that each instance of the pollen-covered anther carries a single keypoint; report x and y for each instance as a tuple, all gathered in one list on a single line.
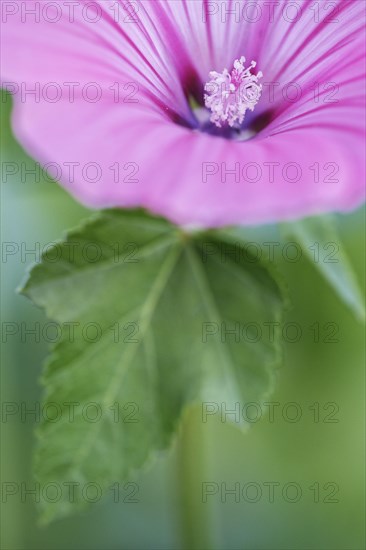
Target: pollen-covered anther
[(230, 94)]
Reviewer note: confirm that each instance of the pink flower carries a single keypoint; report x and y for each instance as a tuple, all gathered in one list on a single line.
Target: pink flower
[(150, 131)]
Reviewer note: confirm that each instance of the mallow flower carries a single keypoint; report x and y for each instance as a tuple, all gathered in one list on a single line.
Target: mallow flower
[(206, 112)]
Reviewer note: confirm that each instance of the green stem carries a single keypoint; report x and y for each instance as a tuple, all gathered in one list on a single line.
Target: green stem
[(192, 468)]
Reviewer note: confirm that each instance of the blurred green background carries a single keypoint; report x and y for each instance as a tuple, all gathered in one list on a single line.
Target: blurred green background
[(170, 513)]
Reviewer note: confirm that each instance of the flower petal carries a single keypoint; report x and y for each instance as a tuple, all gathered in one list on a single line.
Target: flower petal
[(308, 160)]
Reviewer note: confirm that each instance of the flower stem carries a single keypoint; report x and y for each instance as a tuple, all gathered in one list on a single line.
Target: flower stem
[(195, 514)]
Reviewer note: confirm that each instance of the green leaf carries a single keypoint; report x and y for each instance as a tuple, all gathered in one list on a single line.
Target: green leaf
[(157, 302), (320, 241)]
